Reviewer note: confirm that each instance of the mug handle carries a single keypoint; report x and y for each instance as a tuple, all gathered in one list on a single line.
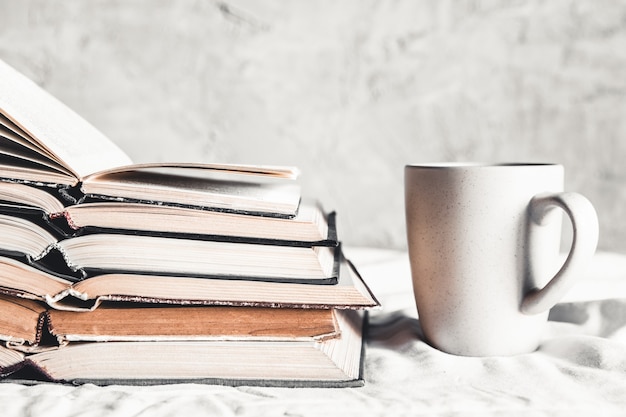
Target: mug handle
[(585, 239)]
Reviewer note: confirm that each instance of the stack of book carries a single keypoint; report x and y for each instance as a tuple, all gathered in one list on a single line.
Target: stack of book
[(113, 272)]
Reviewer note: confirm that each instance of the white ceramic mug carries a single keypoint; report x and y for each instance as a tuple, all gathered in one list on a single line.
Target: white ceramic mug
[(484, 245)]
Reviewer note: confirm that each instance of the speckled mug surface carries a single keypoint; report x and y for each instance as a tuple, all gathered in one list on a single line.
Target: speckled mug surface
[(484, 245)]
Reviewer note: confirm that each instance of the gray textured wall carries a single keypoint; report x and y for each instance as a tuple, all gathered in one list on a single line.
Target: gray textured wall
[(349, 91)]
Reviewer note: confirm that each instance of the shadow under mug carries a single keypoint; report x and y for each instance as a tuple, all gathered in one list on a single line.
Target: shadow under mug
[(484, 245)]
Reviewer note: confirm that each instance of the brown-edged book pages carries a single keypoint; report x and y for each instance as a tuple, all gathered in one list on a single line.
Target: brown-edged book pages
[(336, 361), (17, 278), (131, 322), (23, 322), (45, 144)]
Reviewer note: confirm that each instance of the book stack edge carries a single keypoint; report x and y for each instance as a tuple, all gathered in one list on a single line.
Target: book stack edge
[(121, 273)]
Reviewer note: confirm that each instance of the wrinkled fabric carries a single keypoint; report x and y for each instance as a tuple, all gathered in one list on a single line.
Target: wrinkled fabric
[(579, 368)]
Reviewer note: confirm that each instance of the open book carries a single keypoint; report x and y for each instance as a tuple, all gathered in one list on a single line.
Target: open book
[(44, 144), (311, 226), (19, 279), (135, 344), (97, 253)]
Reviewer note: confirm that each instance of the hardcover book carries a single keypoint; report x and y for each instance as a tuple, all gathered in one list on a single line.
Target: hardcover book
[(311, 226), (97, 253), (234, 346), (19, 279), (29, 325)]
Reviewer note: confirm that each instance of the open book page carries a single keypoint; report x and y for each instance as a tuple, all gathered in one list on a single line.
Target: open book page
[(18, 194), (227, 170), (51, 125), (311, 226), (240, 188), (15, 143), (119, 253)]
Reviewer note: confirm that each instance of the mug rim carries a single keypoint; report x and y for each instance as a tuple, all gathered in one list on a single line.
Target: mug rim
[(461, 165)]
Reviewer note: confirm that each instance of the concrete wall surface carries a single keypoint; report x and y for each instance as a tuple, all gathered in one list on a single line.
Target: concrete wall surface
[(350, 91)]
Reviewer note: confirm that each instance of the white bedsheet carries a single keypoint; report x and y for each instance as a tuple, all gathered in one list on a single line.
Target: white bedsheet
[(580, 368)]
